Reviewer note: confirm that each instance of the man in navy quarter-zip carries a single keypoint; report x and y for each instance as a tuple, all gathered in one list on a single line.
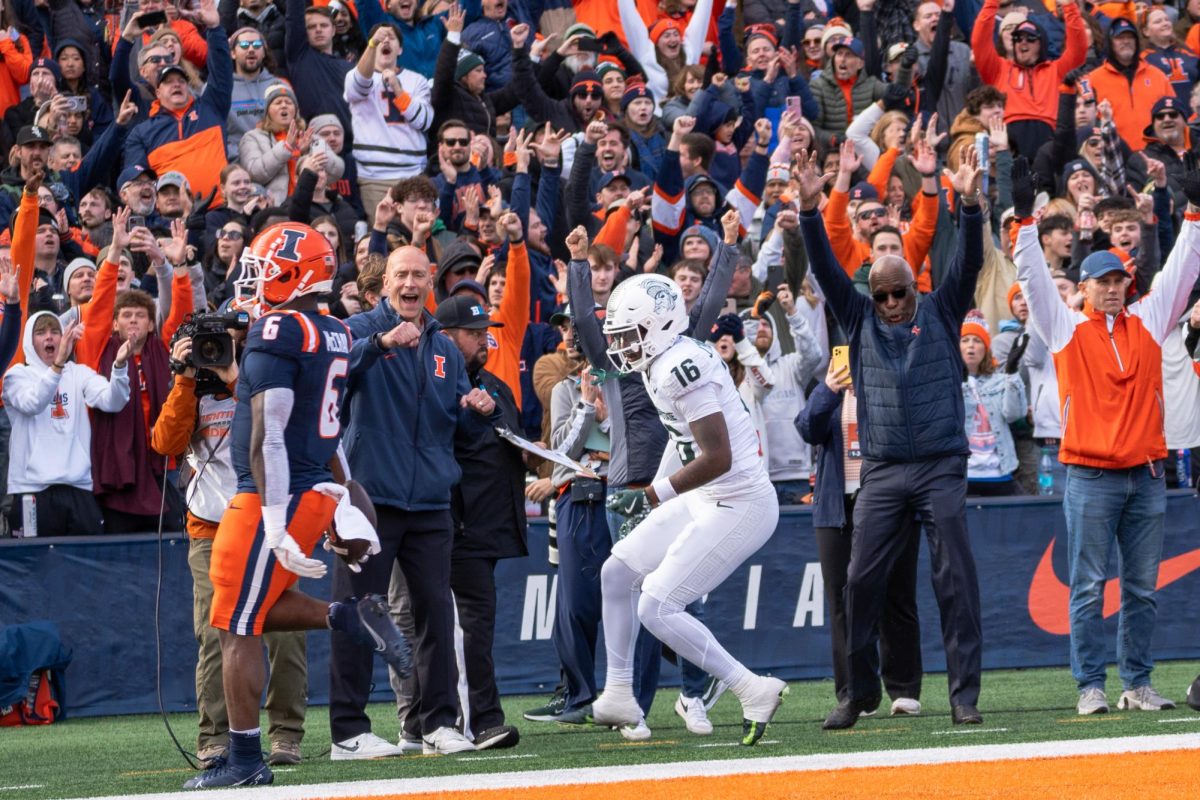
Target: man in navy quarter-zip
[(907, 370), (407, 392)]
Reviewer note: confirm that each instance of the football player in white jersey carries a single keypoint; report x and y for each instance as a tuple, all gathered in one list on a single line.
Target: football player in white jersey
[(704, 519)]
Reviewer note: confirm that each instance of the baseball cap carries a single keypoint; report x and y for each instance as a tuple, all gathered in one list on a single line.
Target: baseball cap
[(863, 191), (608, 177), (1029, 28), (168, 69), (561, 314), (1120, 25), (33, 134), (1099, 264), (464, 312), (132, 173), (854, 45), (174, 179), (1170, 103), (468, 285)]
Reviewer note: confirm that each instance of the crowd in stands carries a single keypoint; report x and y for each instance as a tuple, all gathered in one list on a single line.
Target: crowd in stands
[(539, 153)]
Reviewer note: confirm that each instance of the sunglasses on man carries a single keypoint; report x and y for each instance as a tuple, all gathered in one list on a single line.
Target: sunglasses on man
[(156, 60), (257, 44), (1167, 115), (452, 142), (1025, 37), (896, 294), (872, 213)]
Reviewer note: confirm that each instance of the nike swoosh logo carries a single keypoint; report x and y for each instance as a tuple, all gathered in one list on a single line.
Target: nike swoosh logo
[(722, 505), (1049, 597), (349, 749), (380, 645)]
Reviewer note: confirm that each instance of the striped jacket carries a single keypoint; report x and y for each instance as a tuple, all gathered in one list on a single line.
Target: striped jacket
[(191, 140)]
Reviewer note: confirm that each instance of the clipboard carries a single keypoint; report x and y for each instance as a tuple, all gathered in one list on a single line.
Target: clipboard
[(549, 455)]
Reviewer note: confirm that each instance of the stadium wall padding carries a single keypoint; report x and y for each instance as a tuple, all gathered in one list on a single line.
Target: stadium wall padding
[(101, 593)]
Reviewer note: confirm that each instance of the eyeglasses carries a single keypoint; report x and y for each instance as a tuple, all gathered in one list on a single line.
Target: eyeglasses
[(158, 60), (895, 294), (1093, 142), (1025, 37), (594, 94), (235, 234), (456, 142), (255, 43), (1167, 115), (812, 42), (873, 213)]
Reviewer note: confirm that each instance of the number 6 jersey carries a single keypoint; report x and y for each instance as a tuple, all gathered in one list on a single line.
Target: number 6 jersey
[(689, 382), (306, 352)]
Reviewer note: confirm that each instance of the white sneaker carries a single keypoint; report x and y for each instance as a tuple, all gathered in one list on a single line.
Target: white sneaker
[(445, 741), (694, 715), (410, 745), (636, 733), (1143, 698), (1092, 701), (763, 699), (365, 745), (906, 707), (616, 707)]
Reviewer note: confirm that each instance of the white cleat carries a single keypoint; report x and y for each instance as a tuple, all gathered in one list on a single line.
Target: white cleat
[(616, 708), (759, 705), (695, 717), (636, 733)]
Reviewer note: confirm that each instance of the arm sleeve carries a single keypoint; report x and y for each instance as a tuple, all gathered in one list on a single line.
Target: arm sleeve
[(443, 73), (588, 333), (1076, 45), (840, 233), (107, 394), (24, 243), (277, 410), (839, 291), (570, 433), (27, 391), (638, 39), (177, 420), (987, 61), (808, 350), (920, 233), (881, 170), (712, 295), (815, 423), (859, 132), (1015, 406), (181, 304), (1049, 316), (613, 231), (1161, 308), (10, 331), (16, 62), (697, 31), (957, 292), (295, 37)]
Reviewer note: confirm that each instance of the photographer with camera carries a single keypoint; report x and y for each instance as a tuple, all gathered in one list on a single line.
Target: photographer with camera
[(194, 422)]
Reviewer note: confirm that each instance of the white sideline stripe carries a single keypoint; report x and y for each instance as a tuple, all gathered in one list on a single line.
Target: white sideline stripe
[(695, 769)]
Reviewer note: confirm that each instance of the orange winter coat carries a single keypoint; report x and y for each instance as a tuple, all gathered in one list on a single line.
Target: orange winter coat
[(1032, 91), (1131, 100)]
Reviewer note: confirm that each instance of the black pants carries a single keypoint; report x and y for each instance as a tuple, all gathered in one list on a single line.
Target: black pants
[(420, 542), (474, 583), (891, 493), (61, 511), (900, 626), (1027, 135)]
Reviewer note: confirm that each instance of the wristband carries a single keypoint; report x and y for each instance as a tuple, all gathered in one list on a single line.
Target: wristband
[(928, 174), (663, 490), (274, 517)]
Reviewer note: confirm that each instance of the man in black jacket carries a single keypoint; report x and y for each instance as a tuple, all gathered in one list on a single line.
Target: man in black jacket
[(459, 79), (908, 373), (488, 506)]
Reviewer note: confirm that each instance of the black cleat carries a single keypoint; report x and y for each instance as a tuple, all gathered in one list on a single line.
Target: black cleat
[(966, 715), (379, 632)]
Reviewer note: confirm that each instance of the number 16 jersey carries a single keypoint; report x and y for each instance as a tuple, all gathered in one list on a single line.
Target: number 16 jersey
[(689, 382), (306, 352)]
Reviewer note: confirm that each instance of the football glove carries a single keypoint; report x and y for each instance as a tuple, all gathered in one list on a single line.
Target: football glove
[(629, 503)]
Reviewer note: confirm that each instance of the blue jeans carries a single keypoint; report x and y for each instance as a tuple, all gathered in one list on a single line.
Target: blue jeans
[(791, 493), (1102, 506)]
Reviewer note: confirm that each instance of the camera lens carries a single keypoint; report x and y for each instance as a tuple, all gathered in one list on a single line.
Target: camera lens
[(211, 350)]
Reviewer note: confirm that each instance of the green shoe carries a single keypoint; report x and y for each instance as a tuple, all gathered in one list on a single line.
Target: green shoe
[(548, 712)]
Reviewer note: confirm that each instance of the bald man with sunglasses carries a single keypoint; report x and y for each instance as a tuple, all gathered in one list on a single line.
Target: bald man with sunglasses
[(907, 370)]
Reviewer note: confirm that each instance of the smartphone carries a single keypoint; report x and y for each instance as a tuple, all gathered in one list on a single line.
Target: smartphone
[(77, 104), (152, 19), (793, 105), (983, 148), (590, 45), (840, 357), (318, 146), (137, 221), (774, 277)]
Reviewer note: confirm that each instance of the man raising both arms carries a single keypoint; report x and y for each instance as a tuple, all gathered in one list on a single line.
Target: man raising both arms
[(703, 520), (285, 448)]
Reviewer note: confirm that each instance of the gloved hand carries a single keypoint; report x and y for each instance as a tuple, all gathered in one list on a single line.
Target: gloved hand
[(628, 525), (895, 96), (292, 558), (1191, 179), (629, 503), (761, 304), (728, 324), (1024, 187), (1072, 77), (351, 537), (1013, 363), (197, 221), (910, 56)]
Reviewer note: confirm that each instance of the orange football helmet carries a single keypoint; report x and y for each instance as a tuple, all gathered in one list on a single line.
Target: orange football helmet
[(286, 261)]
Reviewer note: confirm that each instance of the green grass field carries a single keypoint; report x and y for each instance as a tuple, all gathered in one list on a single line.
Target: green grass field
[(131, 755)]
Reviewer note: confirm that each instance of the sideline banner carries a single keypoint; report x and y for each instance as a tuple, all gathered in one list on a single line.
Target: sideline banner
[(100, 591)]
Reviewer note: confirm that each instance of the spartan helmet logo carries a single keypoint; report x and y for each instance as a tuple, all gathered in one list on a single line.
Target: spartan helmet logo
[(661, 294)]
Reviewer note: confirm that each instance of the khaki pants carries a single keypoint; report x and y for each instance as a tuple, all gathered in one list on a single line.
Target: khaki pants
[(287, 686), (371, 192)]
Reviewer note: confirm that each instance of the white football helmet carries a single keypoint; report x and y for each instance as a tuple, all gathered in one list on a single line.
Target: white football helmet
[(646, 314)]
